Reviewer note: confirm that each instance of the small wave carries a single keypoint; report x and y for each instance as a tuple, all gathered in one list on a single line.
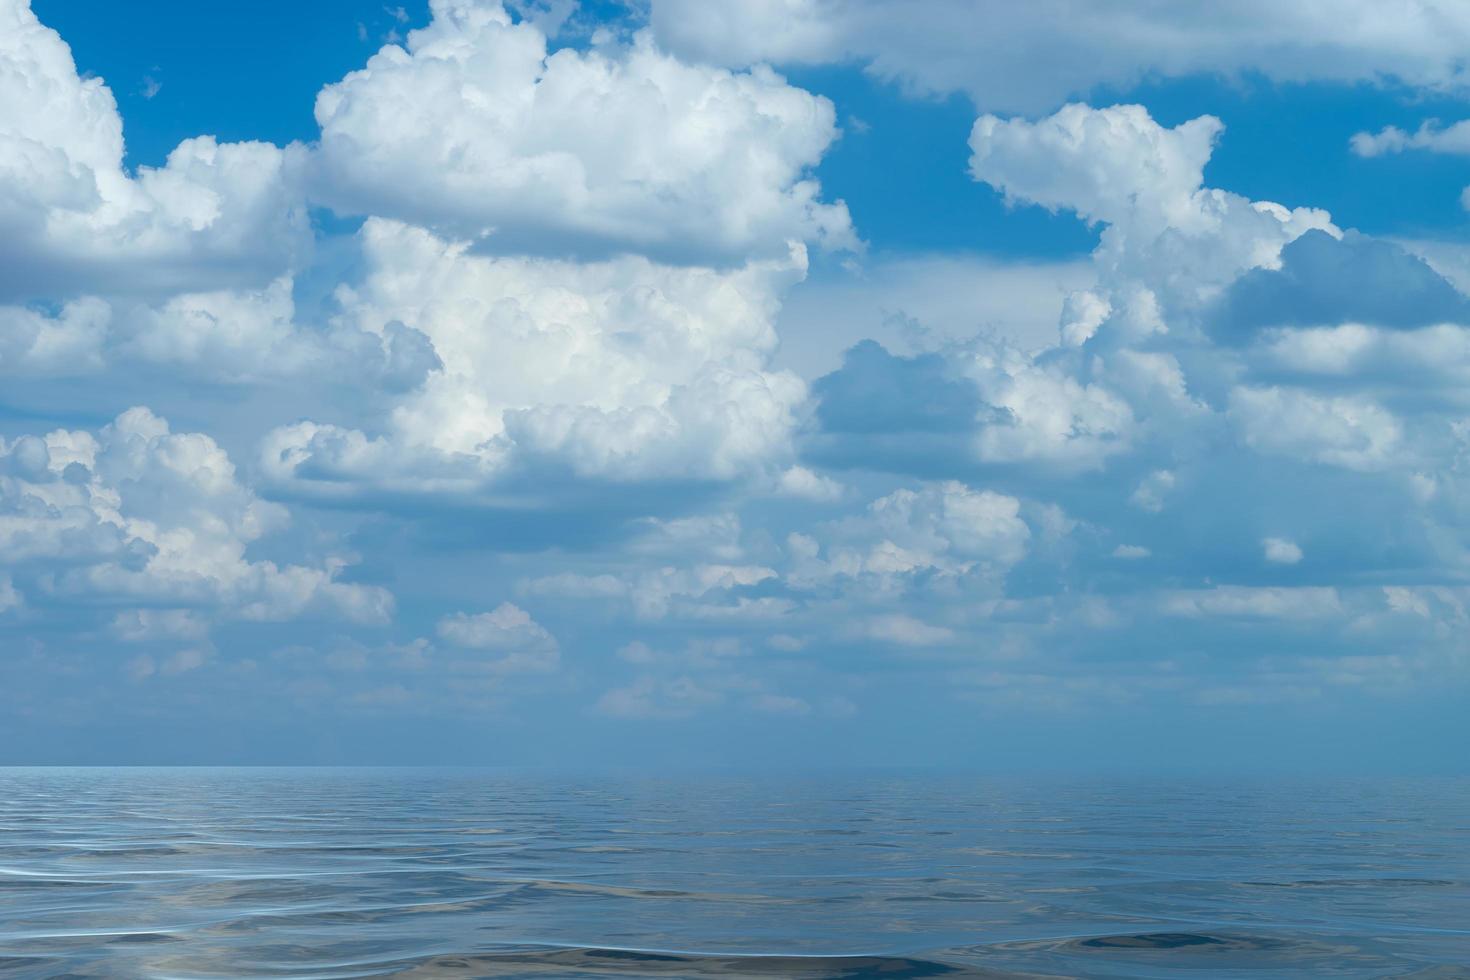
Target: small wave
[(1174, 940), (1355, 883), (592, 962)]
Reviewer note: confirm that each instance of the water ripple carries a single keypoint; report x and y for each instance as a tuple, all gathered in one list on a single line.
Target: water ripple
[(450, 874)]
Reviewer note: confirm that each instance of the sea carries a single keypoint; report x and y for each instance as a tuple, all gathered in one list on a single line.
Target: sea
[(461, 873)]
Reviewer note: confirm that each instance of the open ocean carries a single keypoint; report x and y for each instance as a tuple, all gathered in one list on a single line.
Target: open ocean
[(323, 873)]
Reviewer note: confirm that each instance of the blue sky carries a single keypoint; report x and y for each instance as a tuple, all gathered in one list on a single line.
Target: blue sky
[(795, 383)]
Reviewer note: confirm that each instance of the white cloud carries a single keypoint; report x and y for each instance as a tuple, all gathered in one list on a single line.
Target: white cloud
[(152, 625), (1029, 57), (71, 215), (1311, 602), (10, 598), (474, 129), (945, 528), (34, 344), (716, 536), (800, 482), (1351, 432), (1429, 136), (237, 336), (1041, 413), (1111, 165), (621, 370), (1131, 552), (1170, 243), (653, 697), (1430, 358), (903, 630), (657, 591), (138, 512), (522, 644), (571, 585), (1153, 490), (1281, 551)]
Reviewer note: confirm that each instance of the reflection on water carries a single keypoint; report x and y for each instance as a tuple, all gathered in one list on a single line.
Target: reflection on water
[(457, 874)]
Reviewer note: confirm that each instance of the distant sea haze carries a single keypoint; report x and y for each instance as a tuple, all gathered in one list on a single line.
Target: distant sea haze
[(338, 873)]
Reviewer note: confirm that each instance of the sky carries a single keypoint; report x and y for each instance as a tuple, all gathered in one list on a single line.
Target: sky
[(792, 383)]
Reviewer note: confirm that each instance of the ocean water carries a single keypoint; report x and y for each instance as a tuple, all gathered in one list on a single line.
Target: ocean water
[(176, 873)]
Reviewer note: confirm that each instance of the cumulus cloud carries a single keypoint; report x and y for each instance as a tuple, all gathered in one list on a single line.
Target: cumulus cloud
[(1115, 378), (1153, 490), (1351, 432), (135, 512), (946, 529), (903, 630), (1108, 165), (71, 217), (1031, 57), (1431, 360), (236, 336), (1169, 243), (982, 401), (623, 370), (1430, 135), (475, 129), (34, 344), (246, 336), (1281, 551), (516, 641)]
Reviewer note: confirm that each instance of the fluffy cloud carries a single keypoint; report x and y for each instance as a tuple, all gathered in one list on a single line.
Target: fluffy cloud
[(236, 336), (517, 642), (1030, 57), (71, 215), (137, 513), (1115, 378), (946, 528), (621, 370), (902, 630), (701, 590), (36, 345), (475, 129), (1431, 361), (1351, 432), (1281, 551), (1170, 244), (977, 402), (1429, 136), (1109, 165)]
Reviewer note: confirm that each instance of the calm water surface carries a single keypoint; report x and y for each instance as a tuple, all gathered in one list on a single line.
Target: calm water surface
[(176, 873)]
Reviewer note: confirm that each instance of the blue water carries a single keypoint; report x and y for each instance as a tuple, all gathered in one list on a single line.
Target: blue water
[(437, 874)]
